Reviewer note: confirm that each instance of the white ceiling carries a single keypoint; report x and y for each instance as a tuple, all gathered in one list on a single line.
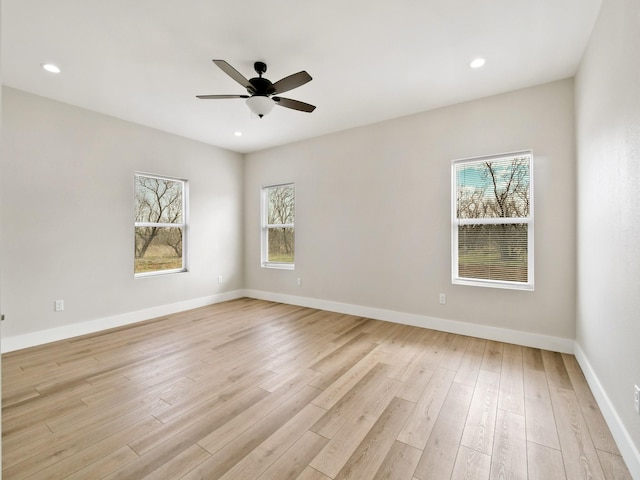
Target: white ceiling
[(371, 60)]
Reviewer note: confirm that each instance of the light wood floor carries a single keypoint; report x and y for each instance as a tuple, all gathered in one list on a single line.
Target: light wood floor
[(256, 390)]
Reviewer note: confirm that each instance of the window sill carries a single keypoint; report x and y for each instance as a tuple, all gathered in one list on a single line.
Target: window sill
[(279, 266), (159, 273), (493, 284)]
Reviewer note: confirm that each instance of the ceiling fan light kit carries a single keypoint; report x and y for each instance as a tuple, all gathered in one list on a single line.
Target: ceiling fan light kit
[(261, 91), (260, 105)]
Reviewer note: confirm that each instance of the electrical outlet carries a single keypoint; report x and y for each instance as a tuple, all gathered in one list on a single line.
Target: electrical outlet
[(299, 281), (636, 398), (220, 279), (443, 299), (58, 305)]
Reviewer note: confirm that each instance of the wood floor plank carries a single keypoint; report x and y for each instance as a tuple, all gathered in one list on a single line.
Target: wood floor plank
[(58, 446), (439, 456), (600, 433), (18, 397), (262, 457), (579, 455), (364, 463), (224, 459), (399, 340), (455, 352), (26, 420), (413, 387), (169, 441), (539, 415), (291, 464), (332, 394), (511, 392), (544, 463), (419, 372), (250, 389), (310, 473), (211, 394), (309, 345), (509, 455), (467, 372), (557, 375), (347, 332), (25, 438), (89, 418), (178, 434), (471, 465), (408, 355), (400, 462), (479, 429), (252, 415), (350, 405), (180, 465), (121, 389), (513, 350), (353, 430), (532, 358), (105, 465), (492, 358), (613, 466), (78, 457), (333, 366), (420, 423)]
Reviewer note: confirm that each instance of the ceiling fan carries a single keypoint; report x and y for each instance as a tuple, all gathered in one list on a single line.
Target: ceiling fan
[(261, 91)]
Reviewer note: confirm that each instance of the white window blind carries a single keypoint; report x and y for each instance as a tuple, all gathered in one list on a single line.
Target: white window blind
[(492, 221)]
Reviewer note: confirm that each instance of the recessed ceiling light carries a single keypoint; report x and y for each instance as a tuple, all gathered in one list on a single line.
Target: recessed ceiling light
[(237, 134), (477, 62), (51, 68)]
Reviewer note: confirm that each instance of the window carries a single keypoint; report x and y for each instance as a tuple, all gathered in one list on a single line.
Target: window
[(492, 221), (278, 233), (160, 225)]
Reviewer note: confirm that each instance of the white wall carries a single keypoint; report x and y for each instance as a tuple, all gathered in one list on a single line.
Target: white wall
[(67, 216), (373, 212), (608, 142)]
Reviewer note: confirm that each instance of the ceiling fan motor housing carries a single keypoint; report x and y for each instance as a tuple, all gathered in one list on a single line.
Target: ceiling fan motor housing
[(261, 86)]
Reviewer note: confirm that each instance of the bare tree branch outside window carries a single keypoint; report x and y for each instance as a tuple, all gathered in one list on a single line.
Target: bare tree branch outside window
[(278, 226), (159, 224)]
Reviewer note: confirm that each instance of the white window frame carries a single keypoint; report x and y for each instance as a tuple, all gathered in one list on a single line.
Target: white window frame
[(529, 221), (183, 224), (265, 227)]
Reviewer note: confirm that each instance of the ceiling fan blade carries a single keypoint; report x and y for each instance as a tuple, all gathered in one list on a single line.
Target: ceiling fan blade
[(290, 82), (294, 104), (233, 73), (210, 97)]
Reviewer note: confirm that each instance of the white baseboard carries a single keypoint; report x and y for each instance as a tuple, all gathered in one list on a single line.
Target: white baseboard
[(620, 434), (18, 342), (528, 339)]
